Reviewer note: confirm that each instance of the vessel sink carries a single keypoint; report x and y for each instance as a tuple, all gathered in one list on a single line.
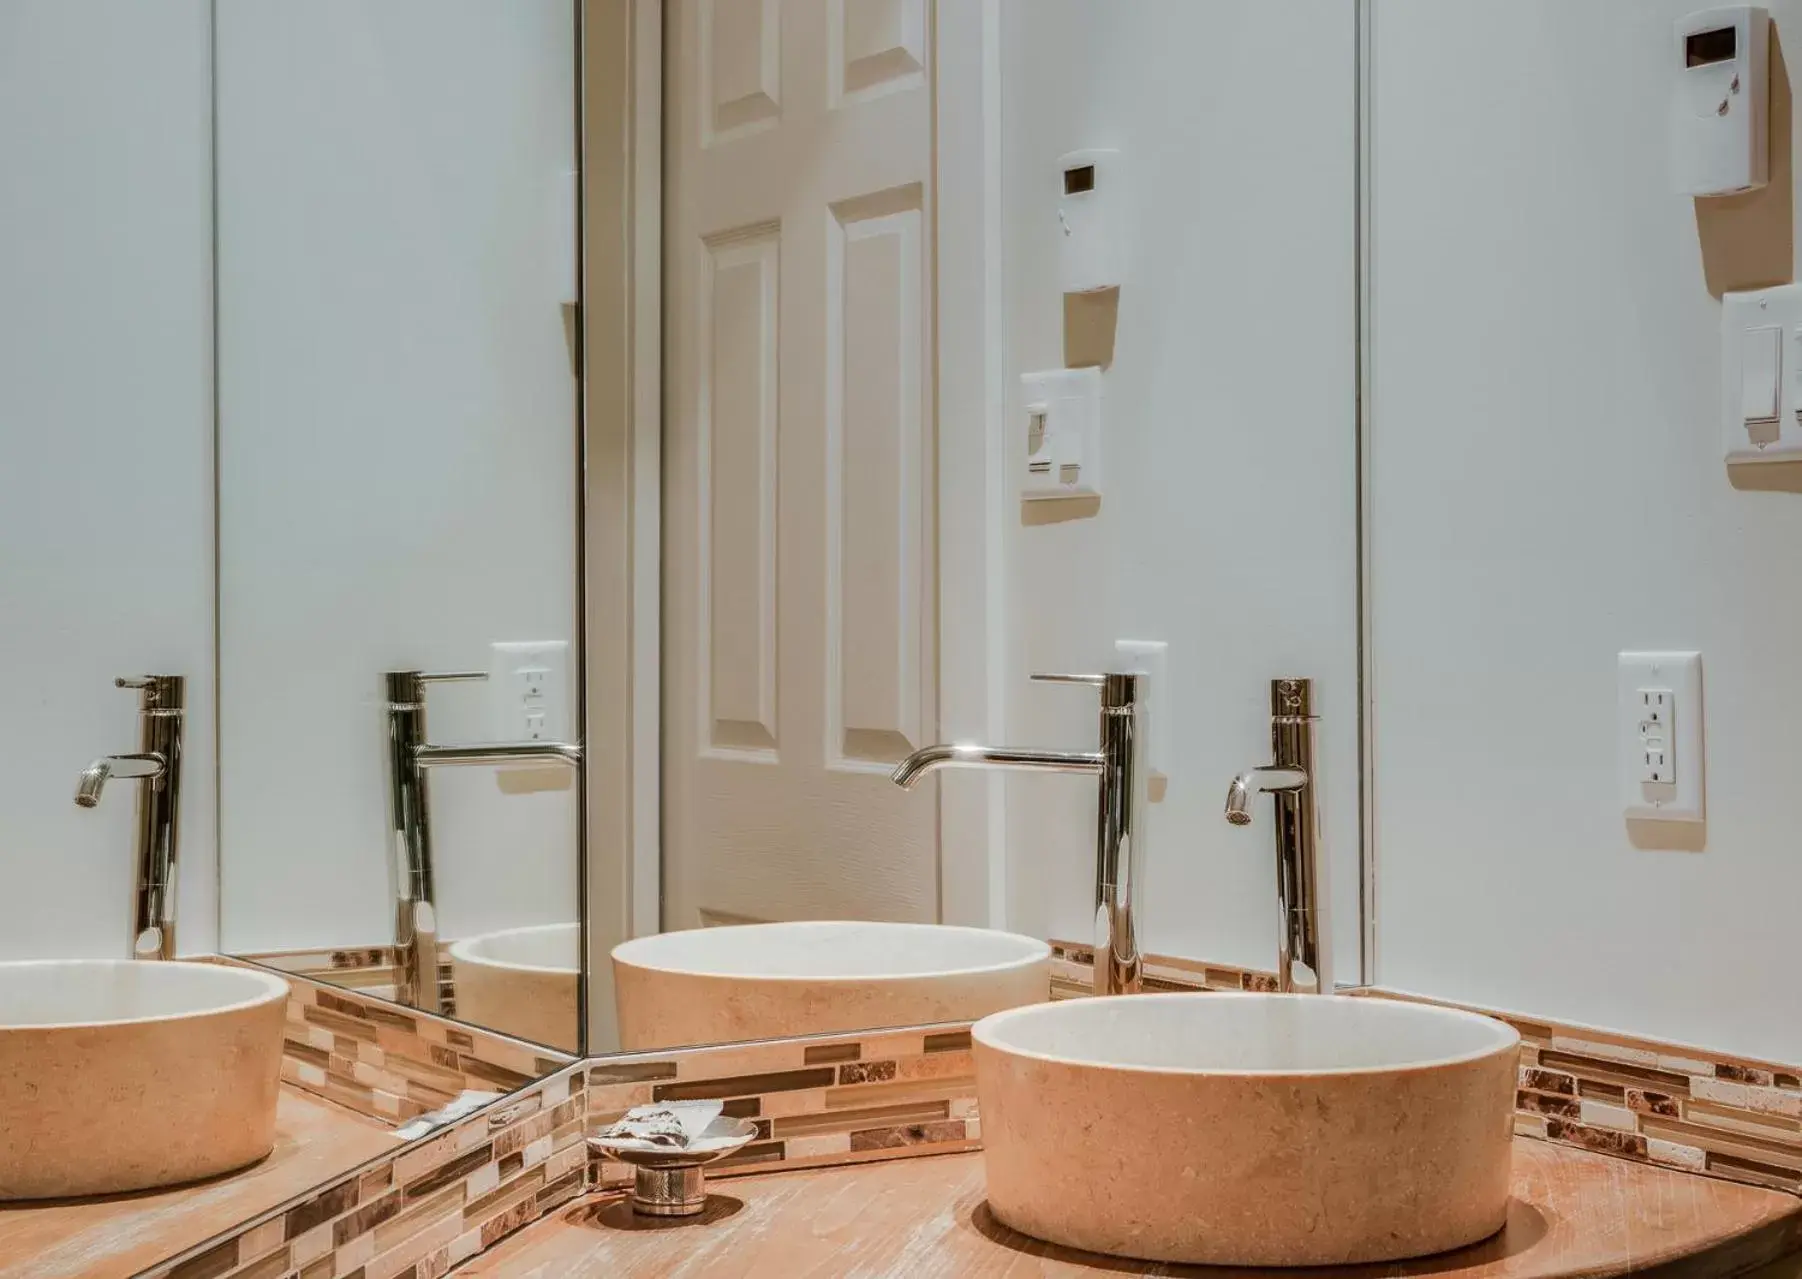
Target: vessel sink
[(1253, 1130), (126, 1074), (768, 981), (521, 982)]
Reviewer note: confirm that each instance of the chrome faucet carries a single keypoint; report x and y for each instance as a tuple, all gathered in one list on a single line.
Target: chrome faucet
[(1120, 816), (409, 808), (1292, 781), (156, 763)]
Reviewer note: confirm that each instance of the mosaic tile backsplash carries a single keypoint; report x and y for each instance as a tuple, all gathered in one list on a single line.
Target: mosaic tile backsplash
[(435, 1203), (1729, 1117), (1722, 1116), (394, 1063), (828, 1099)]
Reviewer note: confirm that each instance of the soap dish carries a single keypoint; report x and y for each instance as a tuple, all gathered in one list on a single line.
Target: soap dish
[(669, 1181)]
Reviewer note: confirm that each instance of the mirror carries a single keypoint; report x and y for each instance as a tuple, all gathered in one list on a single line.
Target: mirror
[(290, 427), (851, 575), (399, 503)]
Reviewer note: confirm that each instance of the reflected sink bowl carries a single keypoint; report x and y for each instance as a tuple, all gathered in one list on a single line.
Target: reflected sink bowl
[(770, 981), (521, 982), (126, 1074), (1255, 1130)]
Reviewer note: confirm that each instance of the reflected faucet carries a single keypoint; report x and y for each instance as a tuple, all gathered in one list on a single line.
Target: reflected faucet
[(409, 758), (1293, 783), (156, 763), (1120, 816)]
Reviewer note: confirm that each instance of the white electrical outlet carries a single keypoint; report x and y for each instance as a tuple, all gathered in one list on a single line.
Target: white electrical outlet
[(1660, 736), (528, 688)]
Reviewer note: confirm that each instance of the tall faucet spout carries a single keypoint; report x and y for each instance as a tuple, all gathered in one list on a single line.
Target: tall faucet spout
[(1119, 767), (930, 759), (95, 776), (1248, 785)]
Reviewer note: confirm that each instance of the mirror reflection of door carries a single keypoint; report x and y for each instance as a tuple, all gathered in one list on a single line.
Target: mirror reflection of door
[(800, 587), (398, 492)]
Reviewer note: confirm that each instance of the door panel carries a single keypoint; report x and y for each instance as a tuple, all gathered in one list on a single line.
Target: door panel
[(800, 581)]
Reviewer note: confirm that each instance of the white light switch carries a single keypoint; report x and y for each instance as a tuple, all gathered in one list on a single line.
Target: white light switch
[(1062, 424), (1660, 729), (1761, 374), (1760, 331)]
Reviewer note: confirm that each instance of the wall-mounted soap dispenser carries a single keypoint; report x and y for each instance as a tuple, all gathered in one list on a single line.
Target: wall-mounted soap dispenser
[(1090, 216), (1720, 101)]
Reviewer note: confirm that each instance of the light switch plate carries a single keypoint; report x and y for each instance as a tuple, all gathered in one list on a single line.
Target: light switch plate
[(1761, 364), (1660, 736), (1061, 419)]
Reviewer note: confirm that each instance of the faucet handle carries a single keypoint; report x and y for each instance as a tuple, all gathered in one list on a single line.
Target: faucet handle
[(451, 677), (1093, 681), (161, 692)]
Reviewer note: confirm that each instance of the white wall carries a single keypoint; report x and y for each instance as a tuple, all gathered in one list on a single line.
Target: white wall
[(1228, 522), (105, 451), (398, 442), (1548, 491)]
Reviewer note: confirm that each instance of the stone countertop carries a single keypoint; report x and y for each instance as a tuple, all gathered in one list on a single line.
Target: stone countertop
[(118, 1235), (1575, 1214)]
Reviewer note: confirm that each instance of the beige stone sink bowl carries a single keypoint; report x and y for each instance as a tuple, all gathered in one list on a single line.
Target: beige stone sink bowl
[(1252, 1130), (769, 981), (124, 1074), (521, 982)]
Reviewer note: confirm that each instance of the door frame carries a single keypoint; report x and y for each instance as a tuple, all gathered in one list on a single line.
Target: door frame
[(621, 79), (622, 341), (972, 397)]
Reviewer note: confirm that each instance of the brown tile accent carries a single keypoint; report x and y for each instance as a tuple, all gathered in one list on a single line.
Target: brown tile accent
[(276, 1263), (365, 1219), (1553, 1081), (444, 1174), (561, 1191), (1652, 1103), (1604, 1141), (866, 1072), (741, 1085), (629, 1072), (209, 1264), (499, 1227), (816, 1054), (743, 1107), (864, 1117), (1744, 1074), (322, 1207), (499, 1078), (1753, 1171), (756, 1153), (947, 1041), (1547, 1104), (1597, 1070), (907, 1135), (504, 1196)]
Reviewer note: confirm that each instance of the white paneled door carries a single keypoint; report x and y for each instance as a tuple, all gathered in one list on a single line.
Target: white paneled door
[(800, 575)]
